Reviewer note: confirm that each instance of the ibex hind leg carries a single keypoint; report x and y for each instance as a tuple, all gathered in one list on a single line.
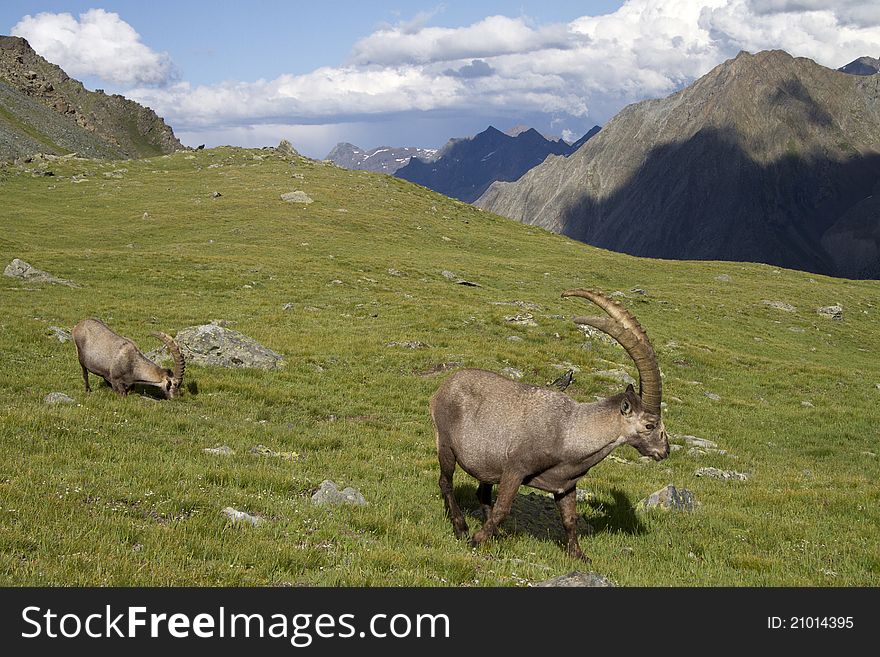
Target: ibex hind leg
[(86, 377), (447, 470), (484, 496)]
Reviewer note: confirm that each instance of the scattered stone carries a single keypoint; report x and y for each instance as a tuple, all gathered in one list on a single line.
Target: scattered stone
[(439, 367), (262, 450), (712, 396), (721, 474), (286, 148), (462, 281), (583, 495), (514, 338), (23, 270), (701, 451), (638, 290), (59, 334), (395, 272), (807, 404), (447, 274), (522, 319), (412, 344), (287, 306), (146, 215), (577, 578), (458, 281), (240, 516), (222, 450), (216, 194), (693, 441), (617, 375), (779, 305), (595, 334), (831, 312), (296, 197), (58, 398), (329, 493), (723, 278), (512, 372), (796, 329), (669, 498), (210, 344)]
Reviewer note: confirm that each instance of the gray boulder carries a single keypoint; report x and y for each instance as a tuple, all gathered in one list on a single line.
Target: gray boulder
[(296, 197), (831, 312), (25, 271), (329, 493), (669, 498), (59, 333), (58, 398), (210, 344), (240, 516)]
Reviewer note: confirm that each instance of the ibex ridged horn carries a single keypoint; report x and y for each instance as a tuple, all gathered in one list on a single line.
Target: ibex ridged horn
[(174, 350), (623, 327)]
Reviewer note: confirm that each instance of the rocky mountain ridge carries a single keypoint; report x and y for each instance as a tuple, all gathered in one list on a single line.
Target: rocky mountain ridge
[(384, 159), (767, 158), (44, 110)]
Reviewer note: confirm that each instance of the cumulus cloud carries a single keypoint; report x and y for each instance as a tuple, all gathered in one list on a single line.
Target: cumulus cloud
[(574, 74), (98, 44)]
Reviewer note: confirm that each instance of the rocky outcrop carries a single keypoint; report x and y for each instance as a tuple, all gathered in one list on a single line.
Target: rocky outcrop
[(49, 112), (214, 345), (384, 159), (25, 271)]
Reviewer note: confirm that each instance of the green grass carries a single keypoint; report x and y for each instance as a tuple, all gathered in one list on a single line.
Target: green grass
[(118, 491)]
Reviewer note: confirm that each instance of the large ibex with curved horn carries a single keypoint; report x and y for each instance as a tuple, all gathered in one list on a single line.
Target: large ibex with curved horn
[(120, 363), (508, 433)]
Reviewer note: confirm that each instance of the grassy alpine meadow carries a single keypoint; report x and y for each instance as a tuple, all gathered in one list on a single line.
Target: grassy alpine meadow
[(361, 292)]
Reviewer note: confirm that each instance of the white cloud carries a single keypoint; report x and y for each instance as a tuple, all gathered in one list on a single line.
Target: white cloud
[(99, 44), (573, 74)]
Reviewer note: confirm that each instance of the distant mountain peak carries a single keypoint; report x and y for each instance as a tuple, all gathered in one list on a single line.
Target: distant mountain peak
[(383, 159), (862, 66), (766, 158)]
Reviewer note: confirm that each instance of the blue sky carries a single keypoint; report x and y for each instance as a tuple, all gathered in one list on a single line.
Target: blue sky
[(415, 73)]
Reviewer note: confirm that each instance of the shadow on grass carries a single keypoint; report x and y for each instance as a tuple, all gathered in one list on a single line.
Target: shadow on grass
[(537, 515)]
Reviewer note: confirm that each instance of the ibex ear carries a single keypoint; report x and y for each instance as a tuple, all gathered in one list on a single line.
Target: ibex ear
[(630, 389), (625, 407)]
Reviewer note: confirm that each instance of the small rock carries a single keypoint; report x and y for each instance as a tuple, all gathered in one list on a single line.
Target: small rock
[(522, 319), (447, 274), (831, 312), (240, 516), (58, 398), (638, 290), (21, 269), (669, 498), (583, 495), (807, 404), (412, 344), (296, 197), (514, 338), (287, 306), (712, 396), (779, 305), (577, 578), (262, 450), (329, 493), (512, 373), (721, 474), (395, 272), (216, 194), (222, 450), (697, 442), (286, 148), (146, 215), (618, 375), (723, 278), (59, 334)]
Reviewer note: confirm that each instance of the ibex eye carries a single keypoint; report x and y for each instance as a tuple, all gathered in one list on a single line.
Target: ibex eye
[(649, 427)]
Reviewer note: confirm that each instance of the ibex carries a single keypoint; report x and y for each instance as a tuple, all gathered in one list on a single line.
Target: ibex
[(508, 433), (121, 363)]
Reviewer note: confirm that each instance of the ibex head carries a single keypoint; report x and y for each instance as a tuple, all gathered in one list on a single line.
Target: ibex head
[(173, 379), (640, 413)]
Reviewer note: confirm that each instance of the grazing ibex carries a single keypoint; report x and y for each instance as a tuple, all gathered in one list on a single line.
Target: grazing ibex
[(121, 363), (504, 432)]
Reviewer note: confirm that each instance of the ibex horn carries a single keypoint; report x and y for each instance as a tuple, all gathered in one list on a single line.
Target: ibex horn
[(174, 350), (625, 328)]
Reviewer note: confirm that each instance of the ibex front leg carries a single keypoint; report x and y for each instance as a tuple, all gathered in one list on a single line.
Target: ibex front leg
[(567, 503)]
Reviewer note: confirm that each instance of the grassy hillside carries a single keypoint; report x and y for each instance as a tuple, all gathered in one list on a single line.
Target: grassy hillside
[(119, 491)]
